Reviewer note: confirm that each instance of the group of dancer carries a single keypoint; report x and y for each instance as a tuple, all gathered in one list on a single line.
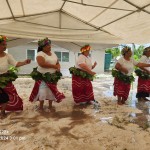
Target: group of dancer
[(47, 74), (123, 75)]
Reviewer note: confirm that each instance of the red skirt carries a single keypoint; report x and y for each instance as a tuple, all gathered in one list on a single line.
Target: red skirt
[(82, 89), (53, 87), (15, 102), (143, 88), (121, 88), (143, 85)]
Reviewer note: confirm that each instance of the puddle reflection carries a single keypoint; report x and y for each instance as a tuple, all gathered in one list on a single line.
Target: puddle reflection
[(142, 119)]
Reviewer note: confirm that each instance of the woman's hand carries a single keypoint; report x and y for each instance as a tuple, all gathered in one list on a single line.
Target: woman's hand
[(145, 70), (95, 63), (124, 70), (86, 68), (93, 73), (22, 63), (27, 61), (57, 67), (120, 68)]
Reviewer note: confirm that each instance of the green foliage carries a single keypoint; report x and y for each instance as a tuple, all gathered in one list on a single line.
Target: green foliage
[(47, 77), (142, 74), (79, 72), (13, 69), (8, 77), (114, 51), (138, 52), (122, 77)]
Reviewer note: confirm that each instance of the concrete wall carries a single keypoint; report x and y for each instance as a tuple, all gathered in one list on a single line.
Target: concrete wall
[(99, 57), (19, 53)]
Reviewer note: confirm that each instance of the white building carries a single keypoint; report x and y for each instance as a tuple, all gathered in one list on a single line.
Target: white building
[(66, 57)]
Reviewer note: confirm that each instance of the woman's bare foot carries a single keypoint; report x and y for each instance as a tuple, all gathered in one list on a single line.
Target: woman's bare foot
[(3, 115), (40, 109), (52, 108), (123, 101), (119, 103), (145, 99)]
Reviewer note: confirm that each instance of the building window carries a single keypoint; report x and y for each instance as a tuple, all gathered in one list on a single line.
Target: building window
[(65, 57), (62, 56), (58, 55), (31, 54)]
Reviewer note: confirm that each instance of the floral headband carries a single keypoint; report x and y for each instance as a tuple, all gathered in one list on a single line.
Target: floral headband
[(3, 38), (43, 42), (125, 50), (85, 48)]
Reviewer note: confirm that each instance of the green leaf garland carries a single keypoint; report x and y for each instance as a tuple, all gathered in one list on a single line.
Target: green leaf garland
[(47, 77), (142, 74), (8, 77), (122, 77), (78, 72)]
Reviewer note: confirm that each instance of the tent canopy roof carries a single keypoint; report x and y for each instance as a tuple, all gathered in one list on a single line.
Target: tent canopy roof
[(72, 46), (88, 21)]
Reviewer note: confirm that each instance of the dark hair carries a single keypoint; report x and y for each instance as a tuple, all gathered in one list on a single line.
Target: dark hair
[(125, 50), (146, 50), (40, 49)]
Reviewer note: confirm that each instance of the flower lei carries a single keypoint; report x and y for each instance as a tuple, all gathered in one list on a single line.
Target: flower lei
[(79, 72), (8, 77), (47, 77), (142, 74), (122, 77), (44, 42), (3, 38), (85, 48)]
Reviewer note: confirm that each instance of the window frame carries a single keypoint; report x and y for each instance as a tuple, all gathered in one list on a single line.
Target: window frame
[(61, 52), (62, 57), (35, 53)]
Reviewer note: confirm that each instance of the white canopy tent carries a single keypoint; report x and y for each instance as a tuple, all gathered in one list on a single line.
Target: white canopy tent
[(86, 21), (75, 46)]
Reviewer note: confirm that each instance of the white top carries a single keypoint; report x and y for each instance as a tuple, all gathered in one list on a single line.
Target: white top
[(49, 59), (145, 59), (129, 65), (5, 62), (83, 59)]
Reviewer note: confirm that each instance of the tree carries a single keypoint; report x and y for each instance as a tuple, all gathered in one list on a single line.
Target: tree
[(114, 51), (138, 52)]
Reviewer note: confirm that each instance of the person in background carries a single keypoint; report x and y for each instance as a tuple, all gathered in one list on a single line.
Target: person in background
[(82, 74), (143, 88), (47, 65), (125, 65), (9, 98)]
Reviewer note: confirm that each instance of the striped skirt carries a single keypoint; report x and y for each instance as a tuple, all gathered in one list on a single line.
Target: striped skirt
[(53, 87), (121, 89), (15, 102), (143, 88), (82, 89)]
